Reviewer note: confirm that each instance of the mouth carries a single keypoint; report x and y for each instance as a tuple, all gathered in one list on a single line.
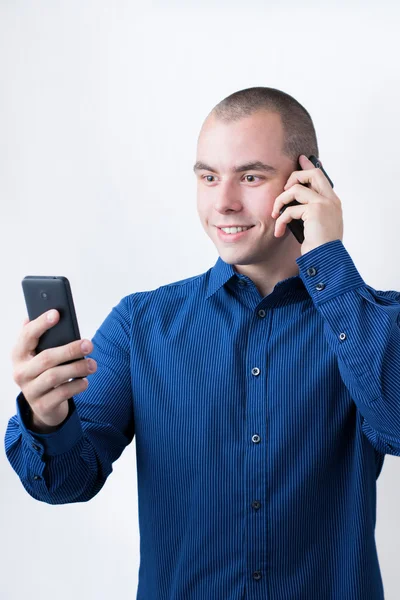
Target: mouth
[(233, 237)]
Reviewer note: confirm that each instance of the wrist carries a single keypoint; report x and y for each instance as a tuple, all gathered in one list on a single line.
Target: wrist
[(36, 425)]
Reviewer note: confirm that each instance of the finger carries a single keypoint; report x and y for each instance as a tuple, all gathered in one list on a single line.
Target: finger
[(298, 192), (54, 357), (303, 176), (48, 403), (30, 334), (314, 177), (38, 385), (305, 162), (290, 213)]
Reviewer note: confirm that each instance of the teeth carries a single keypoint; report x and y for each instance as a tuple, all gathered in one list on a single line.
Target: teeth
[(234, 229)]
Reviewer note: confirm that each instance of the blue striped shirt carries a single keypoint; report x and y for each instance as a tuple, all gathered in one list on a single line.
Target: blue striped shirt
[(261, 426)]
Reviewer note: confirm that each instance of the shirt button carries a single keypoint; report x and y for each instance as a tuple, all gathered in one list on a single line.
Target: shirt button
[(261, 313), (37, 477), (311, 271), (255, 371), (255, 438), (342, 336), (256, 504), (35, 447), (257, 575), (241, 282), (320, 286)]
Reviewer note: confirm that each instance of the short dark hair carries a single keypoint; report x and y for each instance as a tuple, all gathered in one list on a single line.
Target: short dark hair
[(298, 128)]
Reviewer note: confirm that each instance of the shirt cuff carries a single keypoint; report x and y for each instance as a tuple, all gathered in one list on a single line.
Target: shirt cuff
[(55, 442), (328, 271)]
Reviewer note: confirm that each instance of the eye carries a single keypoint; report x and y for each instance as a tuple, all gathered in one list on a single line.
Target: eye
[(253, 176), (206, 177)]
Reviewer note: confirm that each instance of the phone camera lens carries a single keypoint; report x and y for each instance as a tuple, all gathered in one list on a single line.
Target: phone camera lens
[(44, 295)]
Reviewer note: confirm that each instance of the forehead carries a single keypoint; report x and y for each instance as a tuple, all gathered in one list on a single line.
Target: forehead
[(259, 134)]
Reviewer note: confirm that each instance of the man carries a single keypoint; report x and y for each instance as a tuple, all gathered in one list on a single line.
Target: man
[(263, 393)]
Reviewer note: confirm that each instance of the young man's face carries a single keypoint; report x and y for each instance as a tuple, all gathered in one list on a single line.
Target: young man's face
[(227, 198)]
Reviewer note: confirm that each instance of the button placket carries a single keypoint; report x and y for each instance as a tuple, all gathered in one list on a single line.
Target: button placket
[(257, 418)]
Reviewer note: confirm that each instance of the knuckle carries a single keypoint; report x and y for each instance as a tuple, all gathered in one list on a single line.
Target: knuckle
[(45, 359), (58, 395), (73, 350), (17, 374), (22, 342), (51, 378), (23, 334)]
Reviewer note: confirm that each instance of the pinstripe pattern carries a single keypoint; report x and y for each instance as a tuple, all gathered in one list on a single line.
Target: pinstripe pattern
[(195, 372)]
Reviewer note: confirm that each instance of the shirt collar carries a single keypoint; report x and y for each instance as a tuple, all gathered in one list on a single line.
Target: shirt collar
[(223, 272)]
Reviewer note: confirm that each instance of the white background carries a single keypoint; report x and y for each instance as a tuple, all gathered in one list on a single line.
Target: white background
[(101, 104)]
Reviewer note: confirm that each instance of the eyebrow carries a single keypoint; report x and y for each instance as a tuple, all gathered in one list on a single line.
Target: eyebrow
[(250, 166)]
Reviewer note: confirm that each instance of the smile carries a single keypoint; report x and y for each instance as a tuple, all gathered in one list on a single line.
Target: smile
[(233, 237)]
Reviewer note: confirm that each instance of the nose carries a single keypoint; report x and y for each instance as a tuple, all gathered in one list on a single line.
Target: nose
[(227, 198)]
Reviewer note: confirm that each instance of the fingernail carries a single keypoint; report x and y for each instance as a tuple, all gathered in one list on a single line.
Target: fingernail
[(85, 347), (51, 316)]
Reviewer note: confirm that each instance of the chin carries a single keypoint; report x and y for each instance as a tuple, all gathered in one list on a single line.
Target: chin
[(239, 256)]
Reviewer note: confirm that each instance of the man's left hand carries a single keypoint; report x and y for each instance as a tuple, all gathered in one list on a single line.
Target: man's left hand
[(320, 208)]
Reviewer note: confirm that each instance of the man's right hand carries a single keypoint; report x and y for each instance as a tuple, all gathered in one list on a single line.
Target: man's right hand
[(41, 377)]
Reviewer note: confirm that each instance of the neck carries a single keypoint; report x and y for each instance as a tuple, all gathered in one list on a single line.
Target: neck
[(280, 265)]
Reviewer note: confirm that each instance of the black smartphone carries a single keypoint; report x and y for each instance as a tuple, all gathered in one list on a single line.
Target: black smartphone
[(44, 292), (296, 226)]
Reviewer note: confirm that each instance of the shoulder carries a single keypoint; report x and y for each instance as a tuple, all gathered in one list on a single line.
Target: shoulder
[(182, 290), (388, 294)]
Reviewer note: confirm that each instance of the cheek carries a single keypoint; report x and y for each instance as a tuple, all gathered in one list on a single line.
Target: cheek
[(204, 217), (201, 211), (262, 208), (204, 207)]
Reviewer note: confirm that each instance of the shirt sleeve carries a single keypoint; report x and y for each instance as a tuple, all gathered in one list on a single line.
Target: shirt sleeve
[(72, 463), (362, 327)]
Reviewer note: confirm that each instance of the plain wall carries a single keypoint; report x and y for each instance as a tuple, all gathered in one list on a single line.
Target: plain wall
[(101, 104)]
